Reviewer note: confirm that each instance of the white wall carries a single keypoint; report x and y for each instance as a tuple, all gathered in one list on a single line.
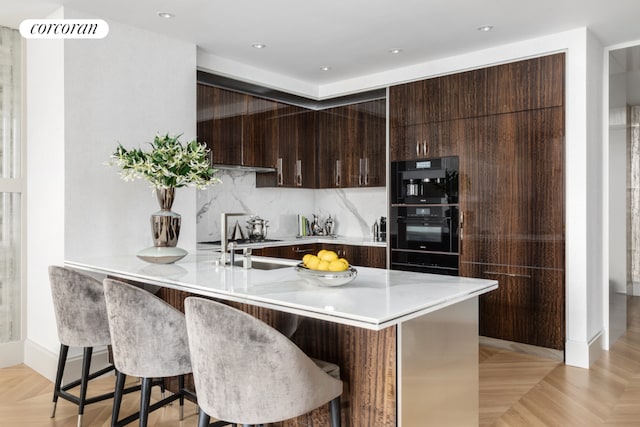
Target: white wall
[(85, 96), (615, 312), (45, 133)]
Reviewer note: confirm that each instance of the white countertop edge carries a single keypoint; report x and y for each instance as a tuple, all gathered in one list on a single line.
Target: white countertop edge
[(352, 320)]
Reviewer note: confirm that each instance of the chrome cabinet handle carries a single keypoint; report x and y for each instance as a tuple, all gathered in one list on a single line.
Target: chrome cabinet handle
[(337, 173), (360, 172), (424, 147), (495, 273), (417, 148), (301, 251), (299, 173), (366, 171), (279, 168)]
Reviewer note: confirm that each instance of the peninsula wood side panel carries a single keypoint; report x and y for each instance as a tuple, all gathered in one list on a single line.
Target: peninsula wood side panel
[(367, 361)]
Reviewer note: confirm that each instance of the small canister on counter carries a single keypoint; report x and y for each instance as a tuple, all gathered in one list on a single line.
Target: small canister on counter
[(376, 232)]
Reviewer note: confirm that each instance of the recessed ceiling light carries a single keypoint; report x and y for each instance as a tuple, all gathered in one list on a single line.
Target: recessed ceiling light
[(394, 51), (325, 68), (167, 15), (259, 45), (485, 28)]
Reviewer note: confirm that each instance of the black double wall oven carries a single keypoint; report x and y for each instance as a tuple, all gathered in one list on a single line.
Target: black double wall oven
[(424, 223)]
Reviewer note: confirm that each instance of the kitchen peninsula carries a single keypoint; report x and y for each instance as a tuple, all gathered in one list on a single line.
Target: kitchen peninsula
[(406, 343)]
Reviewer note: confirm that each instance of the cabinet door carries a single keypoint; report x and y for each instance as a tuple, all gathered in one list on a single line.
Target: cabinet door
[(464, 95), (373, 171), (331, 135), (296, 148), (295, 252), (260, 133), (220, 119), (526, 85), (351, 145), (527, 307), (512, 191), (425, 141)]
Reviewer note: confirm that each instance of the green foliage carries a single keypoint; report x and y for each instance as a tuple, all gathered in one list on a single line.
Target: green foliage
[(168, 164)]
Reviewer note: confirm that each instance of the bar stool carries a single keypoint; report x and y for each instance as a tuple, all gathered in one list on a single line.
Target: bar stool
[(246, 372), (81, 320), (149, 340)]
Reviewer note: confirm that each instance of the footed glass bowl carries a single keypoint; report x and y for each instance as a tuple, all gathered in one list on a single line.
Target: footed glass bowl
[(326, 278)]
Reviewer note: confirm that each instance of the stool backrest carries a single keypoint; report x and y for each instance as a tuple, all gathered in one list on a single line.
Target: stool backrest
[(246, 372), (148, 336), (80, 308)]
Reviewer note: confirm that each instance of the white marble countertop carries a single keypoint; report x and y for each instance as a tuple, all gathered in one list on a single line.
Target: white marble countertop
[(375, 299)]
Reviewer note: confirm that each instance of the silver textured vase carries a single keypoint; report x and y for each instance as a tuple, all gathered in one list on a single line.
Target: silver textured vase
[(165, 230)]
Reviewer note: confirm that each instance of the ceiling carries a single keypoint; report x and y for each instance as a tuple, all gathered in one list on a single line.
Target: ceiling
[(352, 37)]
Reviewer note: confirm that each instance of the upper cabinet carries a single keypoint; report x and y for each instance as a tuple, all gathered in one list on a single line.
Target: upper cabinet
[(519, 86), (239, 129), (351, 145), (295, 148), (337, 147)]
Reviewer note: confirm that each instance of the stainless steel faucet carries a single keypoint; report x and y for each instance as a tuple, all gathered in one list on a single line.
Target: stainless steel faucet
[(223, 234)]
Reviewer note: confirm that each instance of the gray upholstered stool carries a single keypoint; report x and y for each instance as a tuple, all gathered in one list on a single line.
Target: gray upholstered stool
[(246, 372), (149, 340), (81, 319)]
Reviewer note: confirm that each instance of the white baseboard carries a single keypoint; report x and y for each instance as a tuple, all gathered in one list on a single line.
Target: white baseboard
[(45, 362), (11, 353), (582, 354)]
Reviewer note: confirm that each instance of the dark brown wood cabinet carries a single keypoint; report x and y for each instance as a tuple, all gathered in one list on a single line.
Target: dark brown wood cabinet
[(526, 85), (425, 141), (351, 145), (365, 256), (220, 117), (527, 307), (295, 149), (239, 129), (512, 191), (337, 147), (506, 124), (288, 252)]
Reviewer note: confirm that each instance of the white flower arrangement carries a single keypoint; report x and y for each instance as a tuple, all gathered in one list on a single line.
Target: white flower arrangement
[(169, 164)]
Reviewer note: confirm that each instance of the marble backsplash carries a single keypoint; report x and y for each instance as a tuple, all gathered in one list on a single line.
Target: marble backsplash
[(354, 210)]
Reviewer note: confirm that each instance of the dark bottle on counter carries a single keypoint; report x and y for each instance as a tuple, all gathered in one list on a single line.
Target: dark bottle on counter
[(383, 229)]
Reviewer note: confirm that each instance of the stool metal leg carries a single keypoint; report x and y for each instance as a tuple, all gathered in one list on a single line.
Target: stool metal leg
[(181, 388), (335, 412), (84, 381), (62, 360), (145, 398), (203, 419), (117, 397)]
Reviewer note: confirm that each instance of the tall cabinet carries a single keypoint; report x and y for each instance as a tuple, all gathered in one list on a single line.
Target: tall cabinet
[(506, 124)]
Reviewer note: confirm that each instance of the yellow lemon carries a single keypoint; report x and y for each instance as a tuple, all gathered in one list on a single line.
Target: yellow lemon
[(313, 262), (306, 258), (337, 265), (344, 261), (328, 256), (323, 265), (321, 253)]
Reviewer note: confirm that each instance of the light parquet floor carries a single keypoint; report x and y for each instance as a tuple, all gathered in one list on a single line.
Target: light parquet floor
[(516, 389)]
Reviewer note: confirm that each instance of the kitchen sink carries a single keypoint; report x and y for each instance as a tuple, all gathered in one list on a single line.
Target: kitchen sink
[(261, 265)]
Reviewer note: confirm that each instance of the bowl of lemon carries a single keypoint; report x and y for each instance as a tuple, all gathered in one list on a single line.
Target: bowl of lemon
[(326, 269)]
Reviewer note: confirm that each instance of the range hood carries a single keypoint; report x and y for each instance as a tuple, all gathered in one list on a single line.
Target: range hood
[(244, 168)]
